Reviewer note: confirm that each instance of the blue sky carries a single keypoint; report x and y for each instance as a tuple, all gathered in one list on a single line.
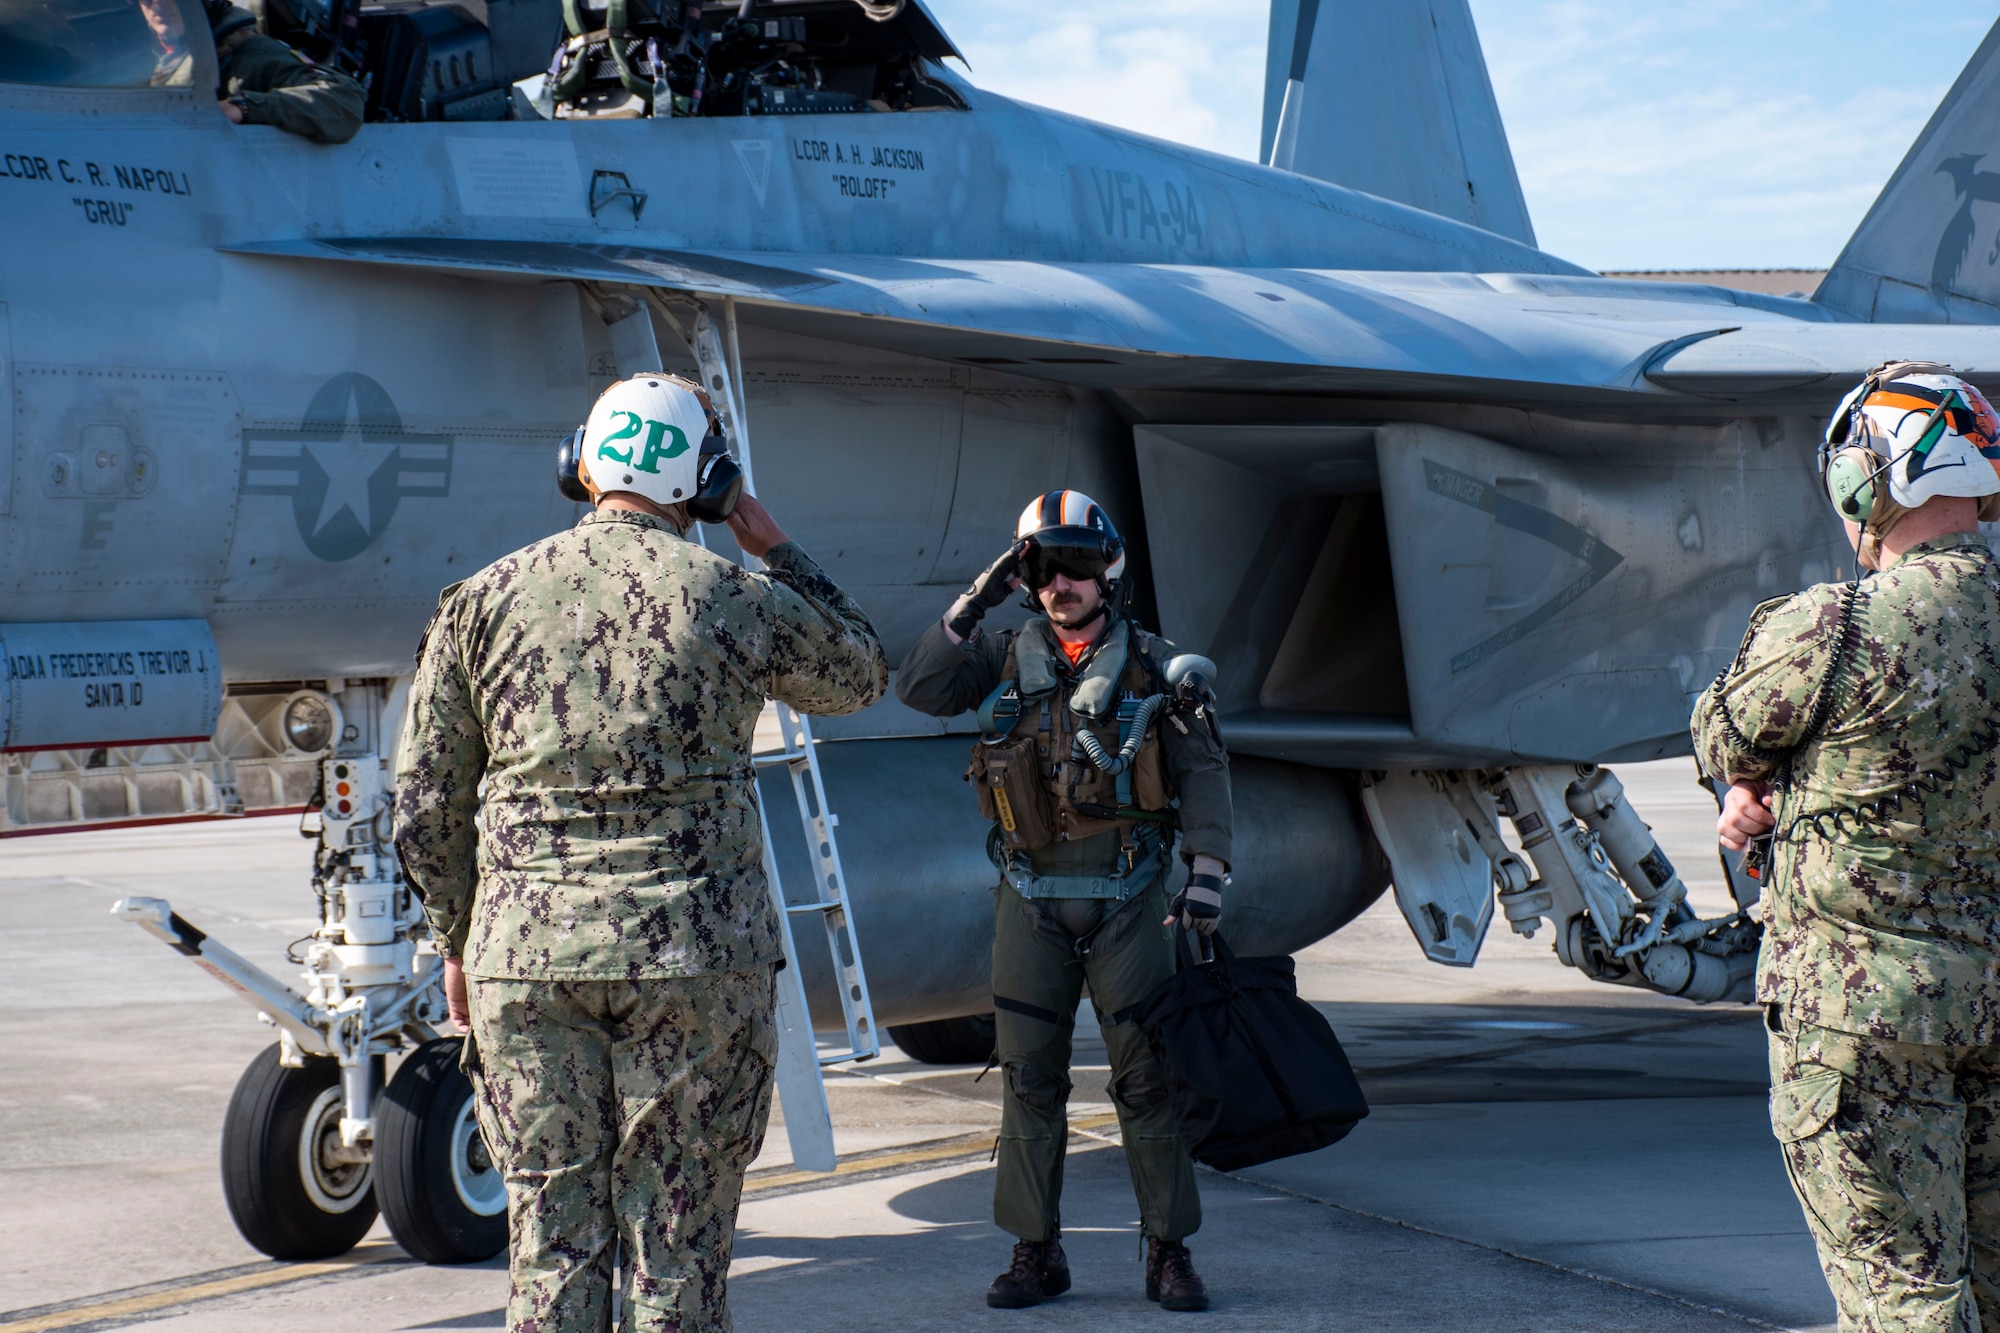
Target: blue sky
[(1678, 134)]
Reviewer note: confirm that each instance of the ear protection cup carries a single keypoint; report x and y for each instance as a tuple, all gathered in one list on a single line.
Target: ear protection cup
[(567, 479), (1850, 484), (718, 482)]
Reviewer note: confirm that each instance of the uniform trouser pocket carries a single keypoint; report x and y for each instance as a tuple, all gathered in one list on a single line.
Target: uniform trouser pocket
[(1873, 1143), (624, 1111), (1036, 984)]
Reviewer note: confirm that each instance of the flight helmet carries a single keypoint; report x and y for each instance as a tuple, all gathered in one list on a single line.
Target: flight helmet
[(1069, 533), (1916, 426), (655, 436)]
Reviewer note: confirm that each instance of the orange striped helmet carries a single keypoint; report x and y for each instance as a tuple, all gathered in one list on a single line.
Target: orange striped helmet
[(1917, 426), (1069, 533)]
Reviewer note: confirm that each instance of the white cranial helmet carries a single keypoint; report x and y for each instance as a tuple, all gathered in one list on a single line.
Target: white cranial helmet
[(644, 435), (1920, 428)]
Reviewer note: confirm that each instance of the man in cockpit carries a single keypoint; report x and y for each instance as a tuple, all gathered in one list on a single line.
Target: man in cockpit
[(263, 81)]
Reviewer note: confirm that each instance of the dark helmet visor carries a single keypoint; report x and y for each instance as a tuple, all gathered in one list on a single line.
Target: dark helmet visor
[(1078, 553)]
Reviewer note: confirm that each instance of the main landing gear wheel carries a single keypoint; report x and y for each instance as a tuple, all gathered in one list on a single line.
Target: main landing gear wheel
[(444, 1198), (292, 1190), (947, 1041)]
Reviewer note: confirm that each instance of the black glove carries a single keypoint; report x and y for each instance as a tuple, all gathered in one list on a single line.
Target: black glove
[(1199, 905), (987, 591)]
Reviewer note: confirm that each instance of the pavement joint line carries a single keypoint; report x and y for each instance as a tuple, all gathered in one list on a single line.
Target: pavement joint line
[(1752, 1320), (890, 1161), (159, 1297), (1542, 1043)]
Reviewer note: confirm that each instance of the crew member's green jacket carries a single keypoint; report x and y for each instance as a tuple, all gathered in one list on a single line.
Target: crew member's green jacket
[(943, 679), (604, 685), (279, 88), (1888, 929)]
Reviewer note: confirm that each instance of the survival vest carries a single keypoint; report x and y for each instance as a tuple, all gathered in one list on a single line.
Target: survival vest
[(1033, 782)]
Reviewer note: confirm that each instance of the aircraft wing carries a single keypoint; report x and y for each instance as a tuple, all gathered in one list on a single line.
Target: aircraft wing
[(1623, 344)]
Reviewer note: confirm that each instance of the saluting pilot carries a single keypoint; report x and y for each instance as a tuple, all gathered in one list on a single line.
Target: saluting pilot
[(577, 809), (1858, 727), (1080, 779)]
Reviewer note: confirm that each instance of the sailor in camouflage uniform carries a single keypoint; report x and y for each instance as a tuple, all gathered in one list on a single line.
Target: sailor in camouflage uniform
[(1857, 728), (603, 895), (1084, 853)]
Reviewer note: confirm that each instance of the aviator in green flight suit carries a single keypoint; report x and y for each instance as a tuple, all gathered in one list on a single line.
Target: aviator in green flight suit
[(1083, 892)]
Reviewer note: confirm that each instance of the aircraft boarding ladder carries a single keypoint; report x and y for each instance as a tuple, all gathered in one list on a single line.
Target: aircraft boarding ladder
[(801, 1081)]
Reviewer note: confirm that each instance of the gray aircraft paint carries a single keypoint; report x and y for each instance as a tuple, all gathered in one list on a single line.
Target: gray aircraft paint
[(1414, 74), (1378, 461), (1929, 249)]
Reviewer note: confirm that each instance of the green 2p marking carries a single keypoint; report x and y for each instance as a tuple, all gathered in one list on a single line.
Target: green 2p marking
[(656, 447)]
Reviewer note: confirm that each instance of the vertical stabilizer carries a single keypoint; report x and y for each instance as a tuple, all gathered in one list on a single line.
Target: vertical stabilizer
[(1391, 97), (1929, 250)]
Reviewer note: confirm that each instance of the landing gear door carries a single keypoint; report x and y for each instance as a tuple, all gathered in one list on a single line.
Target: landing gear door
[(1443, 880)]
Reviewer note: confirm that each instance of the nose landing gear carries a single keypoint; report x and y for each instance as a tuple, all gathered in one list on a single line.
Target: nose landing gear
[(294, 1192), (314, 1142), (444, 1198)]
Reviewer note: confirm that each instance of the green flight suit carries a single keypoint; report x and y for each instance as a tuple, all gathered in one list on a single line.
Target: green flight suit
[(1881, 956), (1039, 970), (577, 808), (275, 86)]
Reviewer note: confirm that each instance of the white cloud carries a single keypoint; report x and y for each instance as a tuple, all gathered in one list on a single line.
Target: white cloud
[(1186, 71)]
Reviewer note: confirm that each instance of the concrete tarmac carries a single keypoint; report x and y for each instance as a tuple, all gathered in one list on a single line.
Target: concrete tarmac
[(1544, 1153)]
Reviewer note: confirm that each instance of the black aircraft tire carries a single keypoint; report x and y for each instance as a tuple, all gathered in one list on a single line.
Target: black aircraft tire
[(283, 1193), (947, 1041), (444, 1200)]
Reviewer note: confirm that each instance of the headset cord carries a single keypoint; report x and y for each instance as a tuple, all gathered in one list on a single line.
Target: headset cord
[(1846, 641), (1852, 818), (1847, 634), (1878, 810)]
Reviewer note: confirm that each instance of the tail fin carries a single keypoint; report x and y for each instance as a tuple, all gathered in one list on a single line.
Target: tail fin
[(1929, 250), (1391, 97)]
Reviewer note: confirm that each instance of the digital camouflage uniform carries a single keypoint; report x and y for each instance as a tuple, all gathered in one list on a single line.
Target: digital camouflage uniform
[(277, 87), (1037, 973), (1881, 956), (606, 890)]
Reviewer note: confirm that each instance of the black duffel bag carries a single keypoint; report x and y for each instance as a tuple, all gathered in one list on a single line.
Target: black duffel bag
[(1256, 1072)]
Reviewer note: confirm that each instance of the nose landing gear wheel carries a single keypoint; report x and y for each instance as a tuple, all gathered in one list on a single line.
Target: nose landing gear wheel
[(292, 1190), (442, 1194)]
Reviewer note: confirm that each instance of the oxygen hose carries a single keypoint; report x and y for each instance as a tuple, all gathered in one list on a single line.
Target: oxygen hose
[(1093, 749)]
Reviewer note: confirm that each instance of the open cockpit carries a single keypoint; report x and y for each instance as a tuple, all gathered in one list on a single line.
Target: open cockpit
[(474, 60)]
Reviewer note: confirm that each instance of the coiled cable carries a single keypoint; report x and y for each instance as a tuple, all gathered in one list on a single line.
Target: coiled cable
[(1878, 811), (1114, 764)]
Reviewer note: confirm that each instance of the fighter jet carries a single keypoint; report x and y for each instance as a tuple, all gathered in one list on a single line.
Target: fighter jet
[(1458, 521)]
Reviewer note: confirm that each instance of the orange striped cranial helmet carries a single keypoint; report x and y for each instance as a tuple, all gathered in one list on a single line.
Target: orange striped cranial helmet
[(1917, 426), (1068, 533)]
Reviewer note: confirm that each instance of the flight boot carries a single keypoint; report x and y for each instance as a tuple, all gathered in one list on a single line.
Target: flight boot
[(1170, 1276), (1040, 1271)]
